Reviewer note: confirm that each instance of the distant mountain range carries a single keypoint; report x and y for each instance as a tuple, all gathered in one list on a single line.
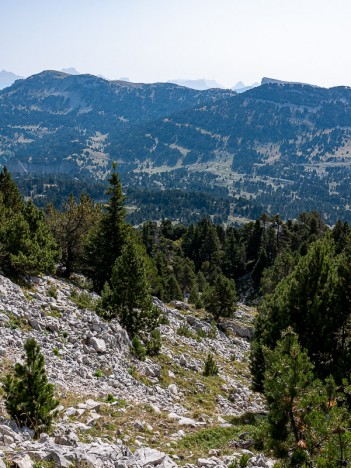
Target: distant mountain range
[(200, 84), (8, 78), (70, 71), (285, 146)]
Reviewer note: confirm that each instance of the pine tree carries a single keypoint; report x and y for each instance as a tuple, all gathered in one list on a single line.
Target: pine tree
[(220, 299), (314, 300), (210, 366), (29, 396), (130, 299), (201, 281), (106, 242), (185, 274), (308, 420), (27, 245), (233, 263), (70, 228), (211, 248), (173, 291), (288, 377), (10, 194), (194, 296)]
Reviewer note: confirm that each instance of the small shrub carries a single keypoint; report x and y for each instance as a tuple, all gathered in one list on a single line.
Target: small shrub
[(56, 352), (138, 349), (163, 320), (110, 398), (98, 373), (210, 367), (153, 345), (52, 292), (244, 459), (65, 334), (183, 330), (241, 463), (83, 299)]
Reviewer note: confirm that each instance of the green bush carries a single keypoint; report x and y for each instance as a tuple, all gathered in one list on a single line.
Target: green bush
[(98, 373), (83, 299), (56, 352), (52, 292), (184, 330), (210, 367), (110, 398), (138, 349), (163, 320), (153, 345)]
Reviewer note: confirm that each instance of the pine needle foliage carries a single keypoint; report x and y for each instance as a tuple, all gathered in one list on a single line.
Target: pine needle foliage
[(210, 367), (29, 397)]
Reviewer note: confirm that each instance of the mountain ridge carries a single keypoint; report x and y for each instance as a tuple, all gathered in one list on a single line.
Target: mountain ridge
[(270, 143)]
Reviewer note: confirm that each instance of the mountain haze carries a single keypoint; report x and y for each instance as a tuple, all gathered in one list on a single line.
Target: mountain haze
[(8, 78)]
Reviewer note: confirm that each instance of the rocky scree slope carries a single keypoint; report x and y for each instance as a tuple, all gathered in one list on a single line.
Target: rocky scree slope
[(115, 410)]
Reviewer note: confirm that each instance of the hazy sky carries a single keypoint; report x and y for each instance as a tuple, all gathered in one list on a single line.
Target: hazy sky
[(159, 40)]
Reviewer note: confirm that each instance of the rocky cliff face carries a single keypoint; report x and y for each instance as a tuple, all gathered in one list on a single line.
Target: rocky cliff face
[(116, 410)]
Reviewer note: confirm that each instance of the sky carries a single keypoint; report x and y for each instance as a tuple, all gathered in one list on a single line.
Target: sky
[(160, 40)]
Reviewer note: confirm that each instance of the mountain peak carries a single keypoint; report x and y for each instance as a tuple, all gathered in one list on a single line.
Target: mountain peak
[(7, 78), (70, 71), (200, 84)]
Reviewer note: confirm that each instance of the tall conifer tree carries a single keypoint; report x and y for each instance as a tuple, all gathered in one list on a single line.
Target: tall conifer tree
[(106, 242)]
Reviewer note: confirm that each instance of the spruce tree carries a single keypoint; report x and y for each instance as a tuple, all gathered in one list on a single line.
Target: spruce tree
[(29, 397), (106, 242)]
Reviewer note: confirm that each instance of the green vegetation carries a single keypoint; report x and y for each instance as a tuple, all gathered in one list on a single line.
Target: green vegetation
[(220, 298), (83, 299), (27, 245), (184, 330), (308, 420), (70, 227), (200, 442), (52, 292), (105, 242), (56, 351), (315, 300), (29, 396), (210, 367), (299, 272)]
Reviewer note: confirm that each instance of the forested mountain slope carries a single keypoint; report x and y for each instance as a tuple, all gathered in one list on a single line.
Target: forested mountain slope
[(55, 122), (285, 147)]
